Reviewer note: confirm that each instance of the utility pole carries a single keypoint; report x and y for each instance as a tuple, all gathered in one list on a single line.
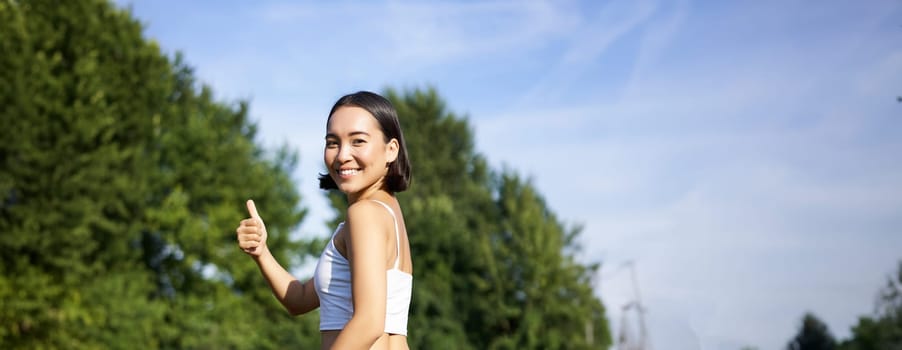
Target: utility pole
[(625, 339)]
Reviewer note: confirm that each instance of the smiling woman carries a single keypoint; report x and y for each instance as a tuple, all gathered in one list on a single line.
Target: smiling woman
[(363, 280), (363, 109)]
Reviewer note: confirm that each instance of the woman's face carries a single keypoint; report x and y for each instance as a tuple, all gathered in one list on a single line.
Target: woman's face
[(356, 153)]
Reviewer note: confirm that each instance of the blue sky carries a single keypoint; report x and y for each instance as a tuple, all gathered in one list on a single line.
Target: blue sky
[(744, 155)]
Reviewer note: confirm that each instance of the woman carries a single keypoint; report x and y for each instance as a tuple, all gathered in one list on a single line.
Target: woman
[(363, 280)]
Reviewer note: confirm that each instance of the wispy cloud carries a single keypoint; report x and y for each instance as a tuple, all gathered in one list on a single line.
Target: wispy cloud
[(743, 155), (424, 34), (449, 32), (731, 178), (655, 40), (586, 45)]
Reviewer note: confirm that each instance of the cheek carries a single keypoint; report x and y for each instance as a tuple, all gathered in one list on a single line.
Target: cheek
[(328, 156)]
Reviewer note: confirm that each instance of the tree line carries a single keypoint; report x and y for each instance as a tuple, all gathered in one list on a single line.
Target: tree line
[(122, 178), (881, 330)]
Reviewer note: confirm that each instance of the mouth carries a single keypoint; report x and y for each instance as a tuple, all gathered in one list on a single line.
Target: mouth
[(346, 173)]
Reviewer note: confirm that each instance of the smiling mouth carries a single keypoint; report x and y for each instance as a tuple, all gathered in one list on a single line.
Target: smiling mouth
[(348, 172)]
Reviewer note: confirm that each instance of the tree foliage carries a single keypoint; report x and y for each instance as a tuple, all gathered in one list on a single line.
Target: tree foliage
[(122, 180), (883, 330), (880, 331), (493, 266), (813, 335), (121, 184)]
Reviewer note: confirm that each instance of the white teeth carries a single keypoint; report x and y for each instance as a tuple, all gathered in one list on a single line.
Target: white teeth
[(348, 172)]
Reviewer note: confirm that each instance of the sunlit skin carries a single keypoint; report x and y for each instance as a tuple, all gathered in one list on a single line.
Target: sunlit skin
[(356, 145), (356, 155)]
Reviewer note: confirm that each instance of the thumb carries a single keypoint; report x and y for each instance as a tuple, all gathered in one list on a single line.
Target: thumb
[(252, 209)]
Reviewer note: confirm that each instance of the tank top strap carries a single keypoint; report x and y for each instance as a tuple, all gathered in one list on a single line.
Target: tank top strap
[(397, 231)]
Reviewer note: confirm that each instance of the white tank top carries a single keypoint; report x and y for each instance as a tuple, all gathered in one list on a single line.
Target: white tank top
[(332, 280)]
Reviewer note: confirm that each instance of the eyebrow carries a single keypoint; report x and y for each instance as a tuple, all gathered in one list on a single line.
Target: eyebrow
[(353, 133)]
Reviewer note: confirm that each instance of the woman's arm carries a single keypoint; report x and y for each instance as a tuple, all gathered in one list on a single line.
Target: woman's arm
[(369, 228), (298, 298)]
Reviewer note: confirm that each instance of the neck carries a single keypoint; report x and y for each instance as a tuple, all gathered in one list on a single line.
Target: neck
[(366, 193)]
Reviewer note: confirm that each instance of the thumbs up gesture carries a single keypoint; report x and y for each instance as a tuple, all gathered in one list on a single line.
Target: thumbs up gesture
[(252, 233)]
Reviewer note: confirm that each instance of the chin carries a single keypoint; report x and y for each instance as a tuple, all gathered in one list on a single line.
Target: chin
[(346, 188)]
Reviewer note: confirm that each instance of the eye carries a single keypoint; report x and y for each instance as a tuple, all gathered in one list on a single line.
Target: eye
[(331, 144), (358, 141)]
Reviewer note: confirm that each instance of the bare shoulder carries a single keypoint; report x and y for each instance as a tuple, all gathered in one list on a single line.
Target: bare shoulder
[(367, 214)]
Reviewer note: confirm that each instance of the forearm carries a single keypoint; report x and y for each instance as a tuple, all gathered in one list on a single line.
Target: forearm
[(359, 333), (285, 287), (296, 297)]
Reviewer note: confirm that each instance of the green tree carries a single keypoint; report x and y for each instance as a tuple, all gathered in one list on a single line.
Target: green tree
[(122, 180), (813, 335), (883, 330), (493, 266), (546, 294), (73, 176), (121, 183)]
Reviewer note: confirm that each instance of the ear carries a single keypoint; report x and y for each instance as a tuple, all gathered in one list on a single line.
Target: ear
[(391, 150)]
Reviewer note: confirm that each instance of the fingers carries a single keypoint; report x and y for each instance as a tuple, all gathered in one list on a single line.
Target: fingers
[(251, 232), (248, 231), (248, 244), (249, 237), (249, 227), (249, 223), (252, 209)]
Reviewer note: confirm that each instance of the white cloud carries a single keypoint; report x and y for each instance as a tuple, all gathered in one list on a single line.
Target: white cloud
[(745, 159), (449, 32), (744, 194), (586, 45), (656, 38), (615, 20), (412, 35)]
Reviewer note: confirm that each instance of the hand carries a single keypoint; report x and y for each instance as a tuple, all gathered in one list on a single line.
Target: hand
[(252, 233)]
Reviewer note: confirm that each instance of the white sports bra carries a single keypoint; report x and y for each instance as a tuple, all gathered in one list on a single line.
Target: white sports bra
[(332, 281)]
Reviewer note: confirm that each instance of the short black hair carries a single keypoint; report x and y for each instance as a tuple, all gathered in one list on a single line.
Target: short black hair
[(398, 177)]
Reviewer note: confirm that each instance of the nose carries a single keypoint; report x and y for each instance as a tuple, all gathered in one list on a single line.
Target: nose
[(344, 153)]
